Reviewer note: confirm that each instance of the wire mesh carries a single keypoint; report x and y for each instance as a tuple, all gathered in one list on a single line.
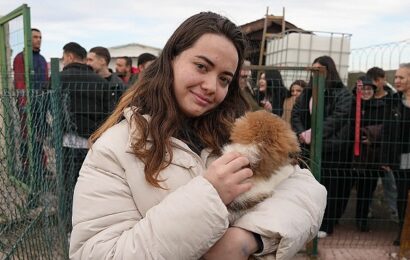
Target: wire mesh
[(363, 196), (387, 56), (28, 199)]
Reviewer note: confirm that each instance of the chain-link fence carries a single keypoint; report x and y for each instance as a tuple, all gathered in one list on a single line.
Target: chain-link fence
[(43, 137), (362, 166), (44, 142), (29, 226)]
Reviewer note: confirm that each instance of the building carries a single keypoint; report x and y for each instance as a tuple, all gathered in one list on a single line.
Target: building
[(290, 46), (132, 50), (254, 32)]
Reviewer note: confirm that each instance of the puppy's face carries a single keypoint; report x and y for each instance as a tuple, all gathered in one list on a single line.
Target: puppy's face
[(266, 139)]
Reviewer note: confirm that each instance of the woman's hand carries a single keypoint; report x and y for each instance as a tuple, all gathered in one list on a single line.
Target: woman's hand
[(306, 136), (228, 174), (267, 106), (236, 243)]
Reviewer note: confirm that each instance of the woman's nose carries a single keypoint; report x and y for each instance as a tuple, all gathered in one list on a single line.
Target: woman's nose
[(210, 84)]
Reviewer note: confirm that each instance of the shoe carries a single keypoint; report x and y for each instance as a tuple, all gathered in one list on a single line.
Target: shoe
[(321, 234)]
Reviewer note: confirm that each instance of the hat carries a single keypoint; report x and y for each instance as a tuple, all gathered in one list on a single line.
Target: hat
[(366, 81)]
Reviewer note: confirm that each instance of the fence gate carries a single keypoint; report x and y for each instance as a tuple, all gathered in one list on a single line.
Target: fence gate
[(28, 205)]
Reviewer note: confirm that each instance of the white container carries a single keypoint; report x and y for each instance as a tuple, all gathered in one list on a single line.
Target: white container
[(300, 49)]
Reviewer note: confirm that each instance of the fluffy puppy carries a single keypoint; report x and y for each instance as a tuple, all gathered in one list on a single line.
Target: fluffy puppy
[(268, 142)]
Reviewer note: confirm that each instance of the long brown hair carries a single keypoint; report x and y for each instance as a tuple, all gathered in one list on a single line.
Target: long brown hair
[(153, 95)]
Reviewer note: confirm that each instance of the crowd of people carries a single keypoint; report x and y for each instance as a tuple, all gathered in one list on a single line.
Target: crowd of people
[(141, 147), (91, 90), (364, 135)]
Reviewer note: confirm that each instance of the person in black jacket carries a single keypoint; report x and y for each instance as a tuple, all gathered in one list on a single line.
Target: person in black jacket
[(396, 140), (382, 97), (272, 92), (89, 101), (337, 139), (368, 150)]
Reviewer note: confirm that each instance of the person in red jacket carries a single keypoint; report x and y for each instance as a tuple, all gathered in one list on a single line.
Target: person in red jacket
[(39, 65), (38, 82)]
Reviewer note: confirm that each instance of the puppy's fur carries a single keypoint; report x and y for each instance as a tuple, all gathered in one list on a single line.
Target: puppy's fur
[(267, 141)]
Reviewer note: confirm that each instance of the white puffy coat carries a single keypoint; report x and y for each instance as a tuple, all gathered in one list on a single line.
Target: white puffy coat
[(118, 215)]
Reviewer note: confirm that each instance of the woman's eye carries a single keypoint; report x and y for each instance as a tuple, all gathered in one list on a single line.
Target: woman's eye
[(201, 67), (225, 81)]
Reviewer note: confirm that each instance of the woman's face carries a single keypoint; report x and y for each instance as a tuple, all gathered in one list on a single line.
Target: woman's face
[(402, 80), (296, 90), (262, 83), (203, 73), (367, 92)]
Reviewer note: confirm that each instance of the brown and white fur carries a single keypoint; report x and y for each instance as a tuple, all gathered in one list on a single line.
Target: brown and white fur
[(268, 142)]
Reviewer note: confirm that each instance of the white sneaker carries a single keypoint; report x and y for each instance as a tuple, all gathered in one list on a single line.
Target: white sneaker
[(321, 234)]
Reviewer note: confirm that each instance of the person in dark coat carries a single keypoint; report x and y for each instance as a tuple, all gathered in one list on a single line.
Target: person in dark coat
[(272, 92), (382, 96), (89, 102), (368, 147), (98, 58), (337, 139), (396, 140)]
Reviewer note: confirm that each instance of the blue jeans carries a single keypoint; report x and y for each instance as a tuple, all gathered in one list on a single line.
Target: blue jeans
[(390, 190)]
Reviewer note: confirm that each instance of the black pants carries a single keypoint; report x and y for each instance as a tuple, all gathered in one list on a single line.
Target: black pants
[(366, 183), (73, 160), (338, 181)]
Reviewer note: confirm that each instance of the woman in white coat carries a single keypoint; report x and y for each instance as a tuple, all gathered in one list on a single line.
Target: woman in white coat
[(144, 190)]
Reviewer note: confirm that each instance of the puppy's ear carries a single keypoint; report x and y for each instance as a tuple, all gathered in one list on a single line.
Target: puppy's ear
[(265, 129)]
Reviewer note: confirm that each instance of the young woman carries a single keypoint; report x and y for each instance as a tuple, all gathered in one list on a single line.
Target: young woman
[(337, 139), (295, 90), (152, 186), (367, 159), (272, 92)]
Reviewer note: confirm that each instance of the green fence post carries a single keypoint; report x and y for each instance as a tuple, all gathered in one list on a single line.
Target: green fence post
[(30, 124), (319, 76), (9, 120), (7, 124), (56, 107), (317, 121), (57, 115)]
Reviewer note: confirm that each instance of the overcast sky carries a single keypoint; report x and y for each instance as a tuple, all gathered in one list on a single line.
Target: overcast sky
[(115, 22)]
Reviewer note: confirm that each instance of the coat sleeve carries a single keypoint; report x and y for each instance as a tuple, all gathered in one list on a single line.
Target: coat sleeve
[(299, 110), (340, 115), (391, 133), (108, 225), (291, 217), (18, 68)]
